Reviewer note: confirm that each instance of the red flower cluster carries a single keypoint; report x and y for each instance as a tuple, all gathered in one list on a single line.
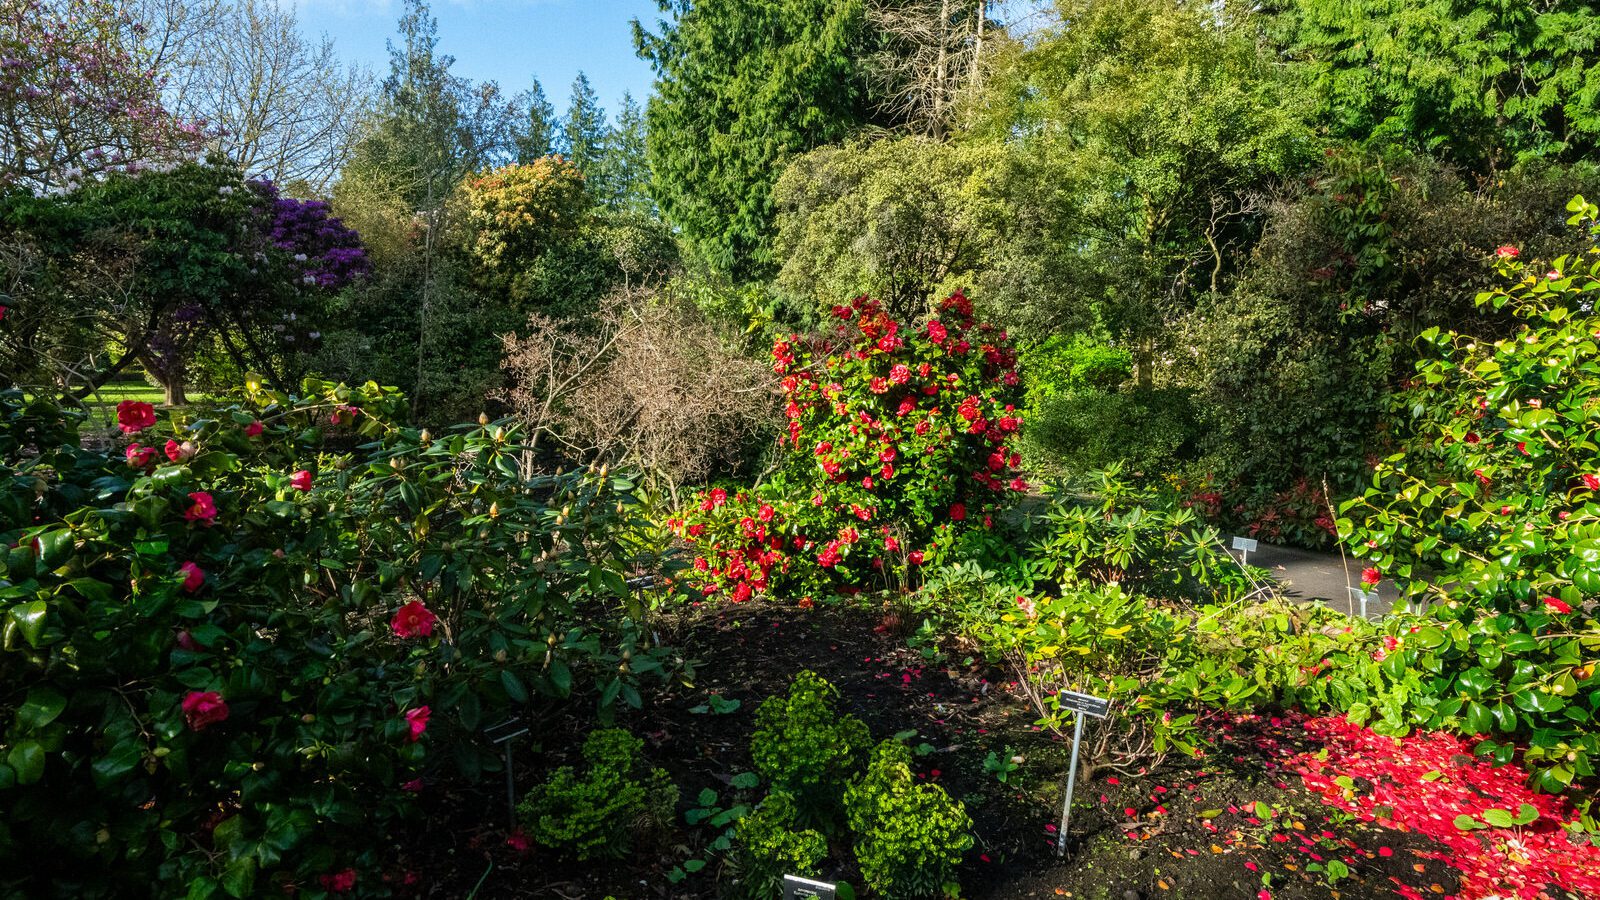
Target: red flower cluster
[(193, 576), (860, 401), (203, 708), (413, 620), (417, 722), (203, 509), (134, 416)]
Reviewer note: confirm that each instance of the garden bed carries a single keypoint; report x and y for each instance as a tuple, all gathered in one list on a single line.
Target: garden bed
[(1234, 824)]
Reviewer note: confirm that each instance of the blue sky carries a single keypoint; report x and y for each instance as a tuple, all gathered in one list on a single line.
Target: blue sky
[(509, 41)]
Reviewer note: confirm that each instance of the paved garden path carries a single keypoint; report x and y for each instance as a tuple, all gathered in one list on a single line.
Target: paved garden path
[(1316, 574)]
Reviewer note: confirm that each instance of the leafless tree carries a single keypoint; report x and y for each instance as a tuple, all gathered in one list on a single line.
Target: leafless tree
[(934, 52), (649, 383), (281, 105)]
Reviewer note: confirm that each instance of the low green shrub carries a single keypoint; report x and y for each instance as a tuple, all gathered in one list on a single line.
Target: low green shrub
[(805, 747), (599, 811), (909, 837), (772, 843), (1106, 529)]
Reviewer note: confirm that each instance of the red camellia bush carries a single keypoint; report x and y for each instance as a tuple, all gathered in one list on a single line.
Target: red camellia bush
[(230, 666), (896, 437)]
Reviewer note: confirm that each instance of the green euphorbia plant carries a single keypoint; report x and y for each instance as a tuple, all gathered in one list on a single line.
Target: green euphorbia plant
[(897, 439), (1489, 516), (232, 657)]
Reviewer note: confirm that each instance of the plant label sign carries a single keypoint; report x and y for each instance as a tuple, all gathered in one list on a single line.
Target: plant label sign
[(1365, 597), (1245, 546), (797, 888), (1087, 704), (1083, 705)]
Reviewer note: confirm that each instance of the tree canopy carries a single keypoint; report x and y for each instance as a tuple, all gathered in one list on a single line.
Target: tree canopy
[(722, 124)]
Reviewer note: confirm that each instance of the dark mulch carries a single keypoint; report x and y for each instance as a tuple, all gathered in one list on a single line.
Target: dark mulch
[(1190, 829)]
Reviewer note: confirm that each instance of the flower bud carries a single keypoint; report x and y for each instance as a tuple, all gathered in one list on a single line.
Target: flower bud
[(426, 437), (483, 418), (494, 510)]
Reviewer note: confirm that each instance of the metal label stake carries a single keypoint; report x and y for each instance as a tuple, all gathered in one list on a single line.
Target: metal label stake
[(1245, 546), (1082, 705), (500, 735), (1364, 596), (797, 888)]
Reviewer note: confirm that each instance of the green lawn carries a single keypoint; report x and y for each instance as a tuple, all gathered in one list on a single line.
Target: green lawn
[(103, 403)]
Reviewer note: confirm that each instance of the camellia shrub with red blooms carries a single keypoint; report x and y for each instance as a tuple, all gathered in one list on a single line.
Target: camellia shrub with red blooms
[(232, 660), (1490, 517), (897, 438)]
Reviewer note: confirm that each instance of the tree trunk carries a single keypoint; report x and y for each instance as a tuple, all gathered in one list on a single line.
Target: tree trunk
[(173, 390)]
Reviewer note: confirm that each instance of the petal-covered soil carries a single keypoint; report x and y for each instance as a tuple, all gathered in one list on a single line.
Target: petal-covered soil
[(1261, 816)]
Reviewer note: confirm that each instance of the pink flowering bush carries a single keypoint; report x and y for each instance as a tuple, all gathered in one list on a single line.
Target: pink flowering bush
[(229, 668), (898, 438)]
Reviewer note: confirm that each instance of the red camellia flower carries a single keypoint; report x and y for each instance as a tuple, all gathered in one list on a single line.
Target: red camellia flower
[(1556, 604), (301, 480), (900, 374), (413, 620), (1506, 251), (879, 385), (1591, 481), (1371, 576), (204, 510), (765, 514), (914, 557), (937, 332), (829, 557), (193, 576), (134, 416), (254, 429), (139, 457), (1482, 478), (204, 708), (417, 721), (741, 592), (958, 511), (339, 882)]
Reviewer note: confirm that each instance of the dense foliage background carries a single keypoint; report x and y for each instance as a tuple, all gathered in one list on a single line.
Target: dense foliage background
[(996, 315)]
